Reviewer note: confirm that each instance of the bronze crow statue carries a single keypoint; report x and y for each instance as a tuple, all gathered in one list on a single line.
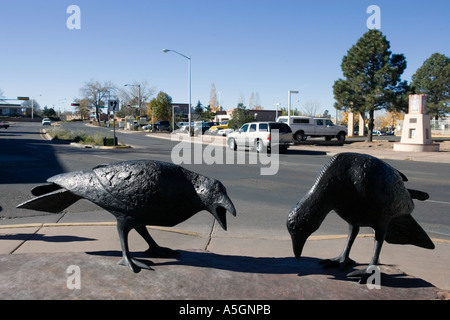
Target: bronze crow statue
[(364, 191), (137, 193)]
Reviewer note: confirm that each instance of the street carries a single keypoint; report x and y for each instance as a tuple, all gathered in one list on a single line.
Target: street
[(262, 202)]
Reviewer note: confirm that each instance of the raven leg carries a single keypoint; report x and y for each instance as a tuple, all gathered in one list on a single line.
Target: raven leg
[(380, 235), (154, 249), (343, 260), (135, 265)]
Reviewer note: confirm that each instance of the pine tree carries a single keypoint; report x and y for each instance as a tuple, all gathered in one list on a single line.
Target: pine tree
[(433, 79), (372, 75)]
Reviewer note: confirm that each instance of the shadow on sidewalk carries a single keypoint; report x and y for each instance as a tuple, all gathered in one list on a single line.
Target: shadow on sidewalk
[(270, 265), (42, 237)]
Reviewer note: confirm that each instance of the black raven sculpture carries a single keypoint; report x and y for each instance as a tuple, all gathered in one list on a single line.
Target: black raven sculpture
[(137, 193), (364, 191)]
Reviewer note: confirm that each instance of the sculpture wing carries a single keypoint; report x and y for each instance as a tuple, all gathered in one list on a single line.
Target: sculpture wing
[(406, 230), (86, 185), (131, 182)]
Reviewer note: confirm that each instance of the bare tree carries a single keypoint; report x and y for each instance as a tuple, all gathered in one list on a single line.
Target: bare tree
[(32, 103), (129, 96), (241, 99), (96, 94), (254, 102), (83, 108), (310, 107)]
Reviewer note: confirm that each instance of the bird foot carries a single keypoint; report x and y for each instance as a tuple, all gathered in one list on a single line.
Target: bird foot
[(338, 262), (135, 265), (160, 252), (364, 274)]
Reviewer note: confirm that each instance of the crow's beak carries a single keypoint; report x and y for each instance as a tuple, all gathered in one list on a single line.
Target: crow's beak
[(219, 212), (298, 241)]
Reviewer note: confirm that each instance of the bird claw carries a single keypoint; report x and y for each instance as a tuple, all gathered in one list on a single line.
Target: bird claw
[(337, 262), (135, 265), (364, 274)]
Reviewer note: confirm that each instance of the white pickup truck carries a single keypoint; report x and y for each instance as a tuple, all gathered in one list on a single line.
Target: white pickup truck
[(303, 127)]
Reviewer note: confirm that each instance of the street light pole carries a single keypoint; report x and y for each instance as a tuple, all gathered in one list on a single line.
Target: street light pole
[(289, 105), (276, 114), (189, 82), (173, 118)]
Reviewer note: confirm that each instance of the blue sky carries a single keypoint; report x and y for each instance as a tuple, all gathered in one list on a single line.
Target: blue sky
[(244, 46)]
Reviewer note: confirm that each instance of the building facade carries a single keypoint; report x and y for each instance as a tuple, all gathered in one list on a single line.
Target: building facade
[(14, 110)]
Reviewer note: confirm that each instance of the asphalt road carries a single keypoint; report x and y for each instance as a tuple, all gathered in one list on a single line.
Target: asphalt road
[(262, 201)]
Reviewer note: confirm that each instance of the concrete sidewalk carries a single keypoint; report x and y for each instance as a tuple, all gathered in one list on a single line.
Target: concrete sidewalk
[(37, 261)]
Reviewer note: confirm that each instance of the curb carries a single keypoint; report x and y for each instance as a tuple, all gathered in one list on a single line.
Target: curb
[(90, 146), (174, 230)]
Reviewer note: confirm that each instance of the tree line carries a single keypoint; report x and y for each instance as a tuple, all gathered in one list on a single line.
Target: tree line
[(135, 100), (371, 81)]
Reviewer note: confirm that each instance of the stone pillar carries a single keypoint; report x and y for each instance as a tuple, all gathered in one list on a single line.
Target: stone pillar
[(416, 131), (362, 125), (350, 124)]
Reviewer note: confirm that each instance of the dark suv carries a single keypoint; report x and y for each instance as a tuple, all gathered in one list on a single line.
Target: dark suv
[(162, 126)]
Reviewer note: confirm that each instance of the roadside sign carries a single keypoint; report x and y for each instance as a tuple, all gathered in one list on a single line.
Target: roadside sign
[(113, 105)]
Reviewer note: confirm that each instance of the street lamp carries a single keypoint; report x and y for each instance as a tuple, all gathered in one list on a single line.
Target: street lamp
[(139, 101), (289, 105), (276, 114), (189, 82)]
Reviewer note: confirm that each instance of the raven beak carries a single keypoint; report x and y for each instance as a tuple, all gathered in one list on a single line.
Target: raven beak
[(298, 242), (221, 209)]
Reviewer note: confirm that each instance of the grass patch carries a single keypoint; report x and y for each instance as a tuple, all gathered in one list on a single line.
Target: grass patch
[(75, 136)]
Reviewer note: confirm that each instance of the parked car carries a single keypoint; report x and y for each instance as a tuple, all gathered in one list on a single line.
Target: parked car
[(378, 133), (224, 132), (208, 125), (182, 126), (258, 135), (196, 127), (147, 127), (220, 126), (162, 126), (46, 122), (304, 127), (4, 125)]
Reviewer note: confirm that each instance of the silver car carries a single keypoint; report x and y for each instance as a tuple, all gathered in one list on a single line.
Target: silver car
[(46, 121), (258, 135)]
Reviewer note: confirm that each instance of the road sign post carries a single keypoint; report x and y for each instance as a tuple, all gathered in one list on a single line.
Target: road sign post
[(114, 106)]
